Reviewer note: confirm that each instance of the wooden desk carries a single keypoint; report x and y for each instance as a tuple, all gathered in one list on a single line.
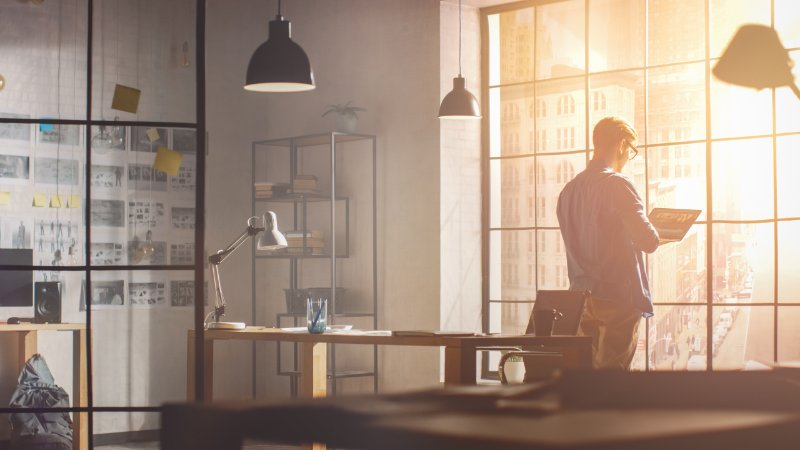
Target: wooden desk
[(683, 411), (460, 353), (28, 336)]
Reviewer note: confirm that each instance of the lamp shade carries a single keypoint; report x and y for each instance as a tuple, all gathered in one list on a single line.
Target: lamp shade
[(279, 64), (755, 58), (459, 103), (271, 238)]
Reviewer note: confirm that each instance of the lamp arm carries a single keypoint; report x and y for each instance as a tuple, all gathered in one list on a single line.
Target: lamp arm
[(217, 258)]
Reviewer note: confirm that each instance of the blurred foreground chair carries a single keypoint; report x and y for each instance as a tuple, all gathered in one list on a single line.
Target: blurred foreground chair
[(558, 313)]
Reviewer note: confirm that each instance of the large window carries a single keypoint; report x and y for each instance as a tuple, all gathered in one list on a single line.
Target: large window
[(727, 296)]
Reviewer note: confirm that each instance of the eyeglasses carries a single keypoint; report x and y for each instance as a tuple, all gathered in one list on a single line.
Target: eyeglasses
[(632, 151)]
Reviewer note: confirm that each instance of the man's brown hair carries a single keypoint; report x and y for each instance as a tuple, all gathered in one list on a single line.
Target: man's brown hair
[(610, 130)]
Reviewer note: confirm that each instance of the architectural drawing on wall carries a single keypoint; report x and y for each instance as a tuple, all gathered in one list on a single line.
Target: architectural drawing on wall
[(181, 254), (52, 239), (147, 294), (140, 142), (158, 257), (106, 253), (14, 167), (55, 171), (184, 181), (59, 134), (147, 213), (15, 131), (181, 293), (182, 218), (15, 232), (144, 178), (184, 140), (108, 177), (108, 213), (110, 293)]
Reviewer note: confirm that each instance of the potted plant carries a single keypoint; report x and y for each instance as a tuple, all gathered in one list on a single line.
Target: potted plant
[(346, 116), (514, 369)]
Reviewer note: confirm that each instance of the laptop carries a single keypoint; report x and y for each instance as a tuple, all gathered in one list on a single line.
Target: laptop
[(672, 224)]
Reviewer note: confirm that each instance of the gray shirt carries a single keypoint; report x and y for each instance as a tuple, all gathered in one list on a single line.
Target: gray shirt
[(605, 231)]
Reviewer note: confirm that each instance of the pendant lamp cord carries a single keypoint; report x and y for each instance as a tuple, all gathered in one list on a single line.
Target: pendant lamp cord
[(459, 36), (279, 7)]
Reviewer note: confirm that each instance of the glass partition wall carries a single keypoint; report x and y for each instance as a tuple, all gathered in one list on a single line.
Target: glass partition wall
[(727, 294), (102, 237)]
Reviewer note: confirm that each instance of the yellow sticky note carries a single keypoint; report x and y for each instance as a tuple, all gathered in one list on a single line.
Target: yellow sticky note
[(126, 99), (56, 201), (168, 161), (74, 201), (5, 198), (152, 134), (40, 200)]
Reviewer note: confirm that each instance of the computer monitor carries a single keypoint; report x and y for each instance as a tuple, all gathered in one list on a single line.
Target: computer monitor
[(16, 286)]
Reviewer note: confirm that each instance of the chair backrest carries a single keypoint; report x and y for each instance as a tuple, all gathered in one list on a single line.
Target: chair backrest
[(568, 303)]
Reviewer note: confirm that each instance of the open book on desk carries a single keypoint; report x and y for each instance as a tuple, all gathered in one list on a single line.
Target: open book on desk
[(430, 333)]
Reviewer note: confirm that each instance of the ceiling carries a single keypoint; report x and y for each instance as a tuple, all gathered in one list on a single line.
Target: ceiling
[(480, 3)]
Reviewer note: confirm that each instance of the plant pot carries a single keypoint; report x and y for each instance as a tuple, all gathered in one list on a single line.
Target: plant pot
[(346, 123), (514, 371)]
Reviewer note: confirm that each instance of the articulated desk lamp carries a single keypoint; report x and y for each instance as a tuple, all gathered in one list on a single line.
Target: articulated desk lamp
[(756, 58), (271, 239)]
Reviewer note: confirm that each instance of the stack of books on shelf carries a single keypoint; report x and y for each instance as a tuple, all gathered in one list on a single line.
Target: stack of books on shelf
[(268, 189), (304, 184), (314, 242)]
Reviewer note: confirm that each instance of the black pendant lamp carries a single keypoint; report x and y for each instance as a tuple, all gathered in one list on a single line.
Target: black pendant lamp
[(279, 64), (459, 103)]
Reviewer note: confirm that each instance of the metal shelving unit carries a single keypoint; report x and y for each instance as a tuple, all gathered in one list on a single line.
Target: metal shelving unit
[(324, 155)]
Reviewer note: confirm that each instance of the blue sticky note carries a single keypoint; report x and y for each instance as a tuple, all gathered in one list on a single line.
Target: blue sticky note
[(46, 127)]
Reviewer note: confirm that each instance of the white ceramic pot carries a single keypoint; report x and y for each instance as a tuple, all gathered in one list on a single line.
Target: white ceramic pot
[(514, 371), (346, 123)]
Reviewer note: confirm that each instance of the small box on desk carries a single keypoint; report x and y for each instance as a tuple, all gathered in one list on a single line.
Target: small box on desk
[(296, 299)]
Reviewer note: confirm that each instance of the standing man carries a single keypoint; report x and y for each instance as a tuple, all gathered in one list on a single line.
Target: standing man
[(605, 231)]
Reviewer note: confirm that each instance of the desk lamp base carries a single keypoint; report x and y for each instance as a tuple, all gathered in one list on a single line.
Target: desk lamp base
[(226, 326)]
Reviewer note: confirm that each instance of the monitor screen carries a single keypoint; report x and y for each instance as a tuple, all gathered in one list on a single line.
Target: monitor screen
[(16, 286)]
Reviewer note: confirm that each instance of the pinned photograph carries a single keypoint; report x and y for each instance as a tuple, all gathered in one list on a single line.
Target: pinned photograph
[(16, 232), (142, 177), (146, 213), (55, 171), (14, 167), (183, 218), (59, 134), (181, 254), (147, 294), (107, 177), (108, 137), (15, 131), (108, 293), (182, 293), (106, 253), (184, 180), (108, 213)]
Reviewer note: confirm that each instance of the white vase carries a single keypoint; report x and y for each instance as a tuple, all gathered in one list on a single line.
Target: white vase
[(514, 371), (346, 123)]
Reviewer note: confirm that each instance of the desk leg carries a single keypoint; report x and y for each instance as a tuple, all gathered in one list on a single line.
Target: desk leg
[(208, 369), (313, 376), (80, 423), (459, 365)]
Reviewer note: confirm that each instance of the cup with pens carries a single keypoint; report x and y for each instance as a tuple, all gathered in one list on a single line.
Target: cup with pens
[(317, 314)]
